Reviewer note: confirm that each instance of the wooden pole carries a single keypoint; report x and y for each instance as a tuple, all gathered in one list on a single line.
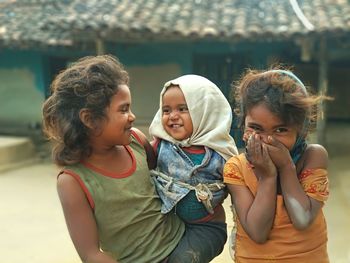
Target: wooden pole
[(100, 47), (322, 90)]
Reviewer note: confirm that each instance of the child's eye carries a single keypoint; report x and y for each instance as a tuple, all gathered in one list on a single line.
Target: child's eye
[(165, 111), (281, 129), (255, 128), (124, 108), (183, 108)]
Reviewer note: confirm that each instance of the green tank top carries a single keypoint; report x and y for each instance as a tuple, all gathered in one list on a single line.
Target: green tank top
[(130, 225)]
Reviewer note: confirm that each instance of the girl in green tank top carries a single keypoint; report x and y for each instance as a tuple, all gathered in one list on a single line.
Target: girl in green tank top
[(110, 204)]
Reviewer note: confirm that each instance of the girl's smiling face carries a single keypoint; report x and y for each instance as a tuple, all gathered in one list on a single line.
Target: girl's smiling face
[(262, 121), (115, 129)]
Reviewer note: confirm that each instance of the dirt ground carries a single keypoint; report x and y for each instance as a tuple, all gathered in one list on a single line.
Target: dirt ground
[(33, 229)]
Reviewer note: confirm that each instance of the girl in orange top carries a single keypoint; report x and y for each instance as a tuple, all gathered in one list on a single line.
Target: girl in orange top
[(279, 185)]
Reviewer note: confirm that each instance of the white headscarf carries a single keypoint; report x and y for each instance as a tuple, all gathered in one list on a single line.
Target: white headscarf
[(210, 112)]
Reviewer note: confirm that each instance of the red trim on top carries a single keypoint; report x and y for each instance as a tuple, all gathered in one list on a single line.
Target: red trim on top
[(111, 174), (82, 185), (194, 150), (137, 137), (61, 172), (155, 144)]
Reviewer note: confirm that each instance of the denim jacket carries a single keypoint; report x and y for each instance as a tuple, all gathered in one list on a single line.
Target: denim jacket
[(175, 164)]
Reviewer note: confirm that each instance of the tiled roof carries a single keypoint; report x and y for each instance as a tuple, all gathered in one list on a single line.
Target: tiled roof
[(22, 23), (61, 22)]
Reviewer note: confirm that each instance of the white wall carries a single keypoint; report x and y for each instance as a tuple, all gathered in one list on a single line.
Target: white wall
[(20, 101), (146, 82)]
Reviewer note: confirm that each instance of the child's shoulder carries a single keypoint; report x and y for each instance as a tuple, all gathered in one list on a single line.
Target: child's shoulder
[(316, 150), (238, 159), (143, 141), (138, 135), (315, 156)]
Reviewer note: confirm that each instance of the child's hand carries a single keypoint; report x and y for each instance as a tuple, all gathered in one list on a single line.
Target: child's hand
[(246, 135), (258, 155), (279, 153)]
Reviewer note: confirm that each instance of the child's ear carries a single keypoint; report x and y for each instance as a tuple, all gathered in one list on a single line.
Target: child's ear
[(85, 117)]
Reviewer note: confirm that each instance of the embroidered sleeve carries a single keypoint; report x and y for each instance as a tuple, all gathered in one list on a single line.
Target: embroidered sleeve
[(232, 173), (315, 183)]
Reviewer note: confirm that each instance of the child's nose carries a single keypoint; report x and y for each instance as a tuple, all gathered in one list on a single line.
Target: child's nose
[(264, 136), (132, 116), (174, 115)]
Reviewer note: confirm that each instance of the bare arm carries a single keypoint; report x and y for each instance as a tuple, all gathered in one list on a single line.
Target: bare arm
[(256, 214), (80, 220), (301, 208)]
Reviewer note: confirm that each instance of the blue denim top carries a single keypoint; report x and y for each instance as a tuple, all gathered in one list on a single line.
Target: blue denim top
[(174, 162)]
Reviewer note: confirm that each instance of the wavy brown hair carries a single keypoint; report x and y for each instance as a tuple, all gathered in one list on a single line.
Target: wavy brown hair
[(283, 94), (88, 84)]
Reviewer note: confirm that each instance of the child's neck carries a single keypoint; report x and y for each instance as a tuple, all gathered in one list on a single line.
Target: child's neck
[(116, 160)]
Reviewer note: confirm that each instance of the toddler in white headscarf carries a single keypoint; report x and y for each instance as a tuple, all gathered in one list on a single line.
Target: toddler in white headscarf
[(192, 142)]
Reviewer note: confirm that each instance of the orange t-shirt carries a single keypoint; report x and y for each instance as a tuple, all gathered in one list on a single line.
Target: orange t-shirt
[(285, 243)]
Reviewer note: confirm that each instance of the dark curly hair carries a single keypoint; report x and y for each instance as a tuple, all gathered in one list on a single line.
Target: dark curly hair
[(89, 84), (283, 94)]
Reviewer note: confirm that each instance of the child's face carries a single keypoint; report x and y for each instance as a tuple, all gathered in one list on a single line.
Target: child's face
[(116, 128), (262, 121), (176, 118)]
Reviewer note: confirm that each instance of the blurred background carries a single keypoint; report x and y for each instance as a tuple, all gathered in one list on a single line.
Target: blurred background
[(158, 40)]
